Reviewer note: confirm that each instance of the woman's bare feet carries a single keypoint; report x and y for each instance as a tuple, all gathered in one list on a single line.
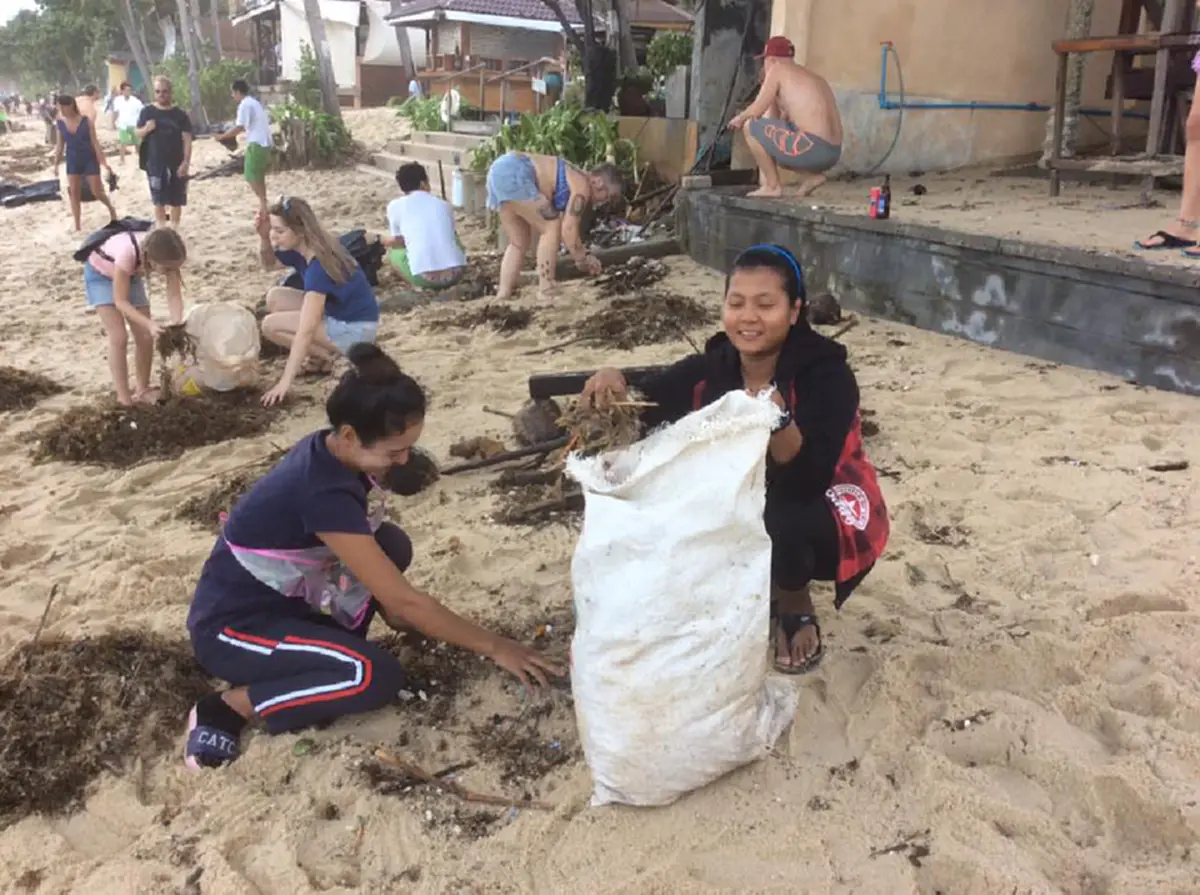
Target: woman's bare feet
[(765, 192), (148, 395), (812, 185)]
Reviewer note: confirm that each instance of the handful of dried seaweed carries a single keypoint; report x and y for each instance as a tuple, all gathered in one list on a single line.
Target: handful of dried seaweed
[(173, 342), (594, 430)]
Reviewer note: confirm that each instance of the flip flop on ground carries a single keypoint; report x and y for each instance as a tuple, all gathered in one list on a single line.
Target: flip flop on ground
[(1165, 241), (791, 623)]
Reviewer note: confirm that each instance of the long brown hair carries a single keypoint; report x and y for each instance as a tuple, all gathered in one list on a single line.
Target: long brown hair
[(163, 245), (326, 248)]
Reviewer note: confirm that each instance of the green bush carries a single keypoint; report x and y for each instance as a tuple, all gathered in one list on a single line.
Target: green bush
[(583, 139), (667, 50), (215, 83)]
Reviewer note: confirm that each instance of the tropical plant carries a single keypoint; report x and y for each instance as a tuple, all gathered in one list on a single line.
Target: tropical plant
[(215, 83), (327, 138), (425, 114), (584, 139), (667, 50), (306, 90)]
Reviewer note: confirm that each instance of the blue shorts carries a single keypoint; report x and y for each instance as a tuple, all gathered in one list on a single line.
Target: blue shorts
[(511, 178), (98, 289), (344, 333)]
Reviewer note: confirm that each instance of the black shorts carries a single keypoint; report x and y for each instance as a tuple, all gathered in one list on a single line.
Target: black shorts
[(167, 189)]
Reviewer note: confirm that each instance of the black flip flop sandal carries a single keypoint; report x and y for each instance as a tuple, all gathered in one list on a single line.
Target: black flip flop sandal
[(1169, 241), (792, 622)]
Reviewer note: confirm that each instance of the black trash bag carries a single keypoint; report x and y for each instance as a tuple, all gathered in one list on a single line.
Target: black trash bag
[(96, 239)]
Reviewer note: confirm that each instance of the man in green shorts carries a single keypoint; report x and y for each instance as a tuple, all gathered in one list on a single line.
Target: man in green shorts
[(423, 244), (127, 108), (253, 121)]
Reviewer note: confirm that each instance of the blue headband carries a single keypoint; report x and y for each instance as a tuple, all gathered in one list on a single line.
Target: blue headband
[(783, 253)]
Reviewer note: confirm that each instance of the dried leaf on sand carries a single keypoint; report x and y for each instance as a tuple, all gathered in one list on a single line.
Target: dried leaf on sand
[(122, 436), (85, 706), (20, 390), (649, 318)]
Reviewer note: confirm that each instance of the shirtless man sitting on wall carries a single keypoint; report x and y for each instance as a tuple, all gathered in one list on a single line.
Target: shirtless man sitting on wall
[(806, 137)]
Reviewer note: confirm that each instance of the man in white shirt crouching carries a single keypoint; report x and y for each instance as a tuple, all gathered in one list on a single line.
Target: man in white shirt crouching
[(423, 244), (255, 123)]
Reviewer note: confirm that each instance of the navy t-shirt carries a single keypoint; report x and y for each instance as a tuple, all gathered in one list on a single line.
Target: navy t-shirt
[(309, 491), (351, 302), (292, 259)]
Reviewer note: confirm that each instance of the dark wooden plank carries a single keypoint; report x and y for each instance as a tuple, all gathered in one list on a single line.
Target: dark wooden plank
[(556, 385), (1127, 43)]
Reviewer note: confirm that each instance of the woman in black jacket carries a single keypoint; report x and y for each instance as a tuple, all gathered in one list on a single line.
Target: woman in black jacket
[(825, 513)]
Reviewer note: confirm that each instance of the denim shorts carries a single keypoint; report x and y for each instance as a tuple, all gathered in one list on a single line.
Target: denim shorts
[(512, 177), (98, 289), (344, 333)]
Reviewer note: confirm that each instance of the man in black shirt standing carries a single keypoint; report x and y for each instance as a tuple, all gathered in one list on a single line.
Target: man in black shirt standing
[(165, 153)]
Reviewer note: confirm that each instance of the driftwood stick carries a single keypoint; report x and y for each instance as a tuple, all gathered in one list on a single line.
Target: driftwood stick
[(845, 328), (455, 789), (496, 412), (41, 624), (544, 448), (546, 349)]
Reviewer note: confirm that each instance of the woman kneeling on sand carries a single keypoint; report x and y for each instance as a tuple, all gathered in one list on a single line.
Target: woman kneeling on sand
[(824, 513), (301, 568), (114, 284), (335, 309), (544, 196)]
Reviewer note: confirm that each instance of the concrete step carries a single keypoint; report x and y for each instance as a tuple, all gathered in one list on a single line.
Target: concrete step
[(428, 152), (442, 138)]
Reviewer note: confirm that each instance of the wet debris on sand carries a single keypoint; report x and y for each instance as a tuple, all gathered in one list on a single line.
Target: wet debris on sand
[(500, 317), (629, 276), (71, 709), (20, 389), (111, 435), (648, 318)]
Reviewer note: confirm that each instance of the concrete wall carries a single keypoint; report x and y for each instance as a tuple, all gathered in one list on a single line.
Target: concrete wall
[(1137, 320), (669, 144), (961, 50)]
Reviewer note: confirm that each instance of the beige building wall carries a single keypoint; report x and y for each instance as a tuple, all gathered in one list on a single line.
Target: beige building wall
[(950, 50)]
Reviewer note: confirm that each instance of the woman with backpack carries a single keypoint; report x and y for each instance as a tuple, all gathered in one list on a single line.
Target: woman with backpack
[(78, 141), (116, 261), (334, 309)]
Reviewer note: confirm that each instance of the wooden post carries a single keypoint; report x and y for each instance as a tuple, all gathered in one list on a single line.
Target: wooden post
[(442, 178), (1060, 109), (503, 97), (1172, 19)]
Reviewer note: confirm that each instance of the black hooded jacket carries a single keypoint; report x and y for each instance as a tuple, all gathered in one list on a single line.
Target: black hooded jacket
[(816, 382)]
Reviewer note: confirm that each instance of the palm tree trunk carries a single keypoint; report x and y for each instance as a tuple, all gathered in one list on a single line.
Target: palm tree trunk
[(214, 7), (626, 52), (316, 27), (1079, 26), (136, 40), (185, 26)]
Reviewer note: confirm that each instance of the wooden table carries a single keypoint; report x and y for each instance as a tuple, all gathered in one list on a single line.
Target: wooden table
[(1152, 163)]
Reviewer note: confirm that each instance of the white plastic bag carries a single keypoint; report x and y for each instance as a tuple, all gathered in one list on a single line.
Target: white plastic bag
[(227, 345), (672, 578)]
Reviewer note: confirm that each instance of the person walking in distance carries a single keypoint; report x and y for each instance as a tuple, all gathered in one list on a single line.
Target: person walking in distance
[(253, 121), (165, 153), (128, 109)]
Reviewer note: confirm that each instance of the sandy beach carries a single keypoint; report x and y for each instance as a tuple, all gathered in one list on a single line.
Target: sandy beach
[(1007, 705)]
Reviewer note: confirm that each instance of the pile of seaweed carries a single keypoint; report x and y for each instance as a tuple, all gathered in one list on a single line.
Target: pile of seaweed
[(483, 276), (648, 318), (70, 709), (119, 437), (20, 390), (205, 509), (634, 274)]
